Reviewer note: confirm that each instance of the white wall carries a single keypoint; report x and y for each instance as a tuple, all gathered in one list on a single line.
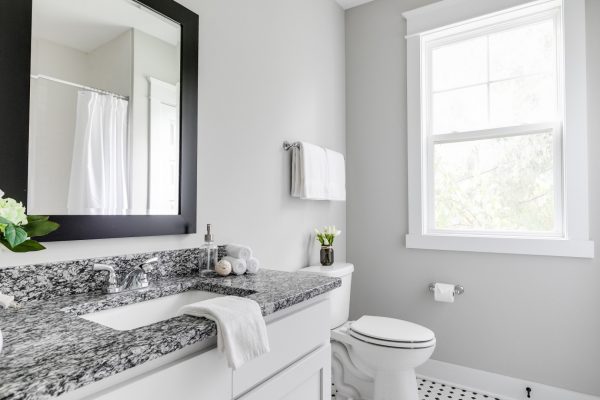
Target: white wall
[(270, 70), (535, 318)]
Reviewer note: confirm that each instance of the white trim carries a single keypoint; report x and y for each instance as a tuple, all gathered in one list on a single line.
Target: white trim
[(570, 147), (448, 14), (506, 245), (496, 385)]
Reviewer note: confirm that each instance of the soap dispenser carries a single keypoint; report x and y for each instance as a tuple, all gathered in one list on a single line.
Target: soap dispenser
[(209, 254)]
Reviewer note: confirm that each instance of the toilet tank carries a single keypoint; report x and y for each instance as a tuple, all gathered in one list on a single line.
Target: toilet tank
[(340, 297)]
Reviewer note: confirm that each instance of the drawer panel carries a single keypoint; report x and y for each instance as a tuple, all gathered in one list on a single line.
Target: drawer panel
[(290, 338)]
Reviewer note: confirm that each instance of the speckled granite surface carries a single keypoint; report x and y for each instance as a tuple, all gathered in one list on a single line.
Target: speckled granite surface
[(49, 350)]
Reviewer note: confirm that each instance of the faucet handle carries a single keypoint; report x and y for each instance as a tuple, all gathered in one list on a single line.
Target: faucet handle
[(147, 265), (112, 276)]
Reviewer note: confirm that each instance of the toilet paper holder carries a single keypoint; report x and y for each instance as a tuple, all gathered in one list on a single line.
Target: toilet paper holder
[(458, 289)]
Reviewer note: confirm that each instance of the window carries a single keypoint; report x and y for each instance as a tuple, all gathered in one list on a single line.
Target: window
[(487, 133)]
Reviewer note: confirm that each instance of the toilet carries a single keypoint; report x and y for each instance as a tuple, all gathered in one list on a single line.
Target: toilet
[(372, 357)]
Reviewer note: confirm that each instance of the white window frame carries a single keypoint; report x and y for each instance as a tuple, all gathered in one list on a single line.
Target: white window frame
[(448, 17)]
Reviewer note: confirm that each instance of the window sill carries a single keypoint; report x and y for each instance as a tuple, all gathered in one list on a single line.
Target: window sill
[(507, 245)]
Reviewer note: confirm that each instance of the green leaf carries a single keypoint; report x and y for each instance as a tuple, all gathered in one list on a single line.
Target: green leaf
[(25, 247), (4, 221), (40, 227), (36, 218), (14, 235)]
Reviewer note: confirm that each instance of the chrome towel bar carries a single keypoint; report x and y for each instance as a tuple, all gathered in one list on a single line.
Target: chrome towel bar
[(287, 145)]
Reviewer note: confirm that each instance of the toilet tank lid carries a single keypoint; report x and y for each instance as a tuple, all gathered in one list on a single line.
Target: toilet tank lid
[(337, 270)]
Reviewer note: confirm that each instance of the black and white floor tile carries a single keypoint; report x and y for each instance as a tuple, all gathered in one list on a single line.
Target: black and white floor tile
[(431, 390)]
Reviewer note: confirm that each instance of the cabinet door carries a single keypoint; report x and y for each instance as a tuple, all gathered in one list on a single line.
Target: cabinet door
[(201, 376), (307, 379)]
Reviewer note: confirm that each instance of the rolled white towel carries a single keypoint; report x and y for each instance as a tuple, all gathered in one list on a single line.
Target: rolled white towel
[(252, 265), (238, 266), (238, 251)]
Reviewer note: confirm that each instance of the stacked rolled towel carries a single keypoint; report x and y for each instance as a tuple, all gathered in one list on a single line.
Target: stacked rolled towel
[(238, 251), (252, 265), (241, 259), (238, 265)]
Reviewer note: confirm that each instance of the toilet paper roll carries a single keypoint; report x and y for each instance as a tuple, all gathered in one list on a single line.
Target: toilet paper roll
[(444, 292)]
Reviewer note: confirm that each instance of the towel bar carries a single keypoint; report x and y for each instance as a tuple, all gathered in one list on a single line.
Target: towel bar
[(287, 145), (457, 289)]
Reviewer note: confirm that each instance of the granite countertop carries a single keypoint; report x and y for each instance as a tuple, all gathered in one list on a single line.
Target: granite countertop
[(48, 350)]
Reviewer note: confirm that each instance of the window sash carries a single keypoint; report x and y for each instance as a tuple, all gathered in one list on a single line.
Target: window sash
[(429, 182), (430, 139)]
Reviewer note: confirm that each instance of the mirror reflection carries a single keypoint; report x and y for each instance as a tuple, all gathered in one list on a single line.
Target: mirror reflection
[(104, 116)]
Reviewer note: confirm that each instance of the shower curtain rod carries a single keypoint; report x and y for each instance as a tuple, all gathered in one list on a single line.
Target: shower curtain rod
[(49, 78)]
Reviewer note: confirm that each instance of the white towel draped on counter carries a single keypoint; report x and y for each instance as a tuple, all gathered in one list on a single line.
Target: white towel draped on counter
[(318, 173), (241, 328)]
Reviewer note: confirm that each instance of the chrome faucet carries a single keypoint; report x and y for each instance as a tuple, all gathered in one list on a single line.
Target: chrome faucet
[(136, 279)]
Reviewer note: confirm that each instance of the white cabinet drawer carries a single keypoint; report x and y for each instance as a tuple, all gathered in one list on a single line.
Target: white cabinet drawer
[(290, 338), (202, 376), (308, 379)]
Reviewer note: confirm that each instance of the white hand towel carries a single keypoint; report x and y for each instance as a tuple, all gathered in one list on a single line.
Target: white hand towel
[(252, 265), (6, 300), (309, 172), (238, 266), (241, 328), (238, 251), (336, 176)]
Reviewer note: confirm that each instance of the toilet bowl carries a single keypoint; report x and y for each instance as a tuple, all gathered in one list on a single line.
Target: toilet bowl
[(373, 357)]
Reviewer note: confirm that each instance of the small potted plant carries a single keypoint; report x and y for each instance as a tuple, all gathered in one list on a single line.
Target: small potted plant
[(17, 228), (326, 239)]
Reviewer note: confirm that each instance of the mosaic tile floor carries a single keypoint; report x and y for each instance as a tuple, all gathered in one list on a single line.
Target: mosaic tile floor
[(431, 390)]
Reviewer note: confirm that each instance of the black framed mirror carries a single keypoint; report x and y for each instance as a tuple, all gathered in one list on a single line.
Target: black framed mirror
[(98, 117)]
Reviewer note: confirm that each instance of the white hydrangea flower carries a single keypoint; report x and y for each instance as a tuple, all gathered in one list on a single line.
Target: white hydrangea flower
[(13, 211)]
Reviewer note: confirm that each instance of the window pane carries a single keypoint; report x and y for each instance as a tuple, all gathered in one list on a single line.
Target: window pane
[(459, 64), (522, 51), (523, 100), (501, 184), (460, 110)]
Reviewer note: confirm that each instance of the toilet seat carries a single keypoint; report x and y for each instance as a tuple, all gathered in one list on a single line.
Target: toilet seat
[(391, 332), (396, 345)]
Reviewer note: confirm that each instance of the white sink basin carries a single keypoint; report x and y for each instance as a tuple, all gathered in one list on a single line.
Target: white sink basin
[(145, 313)]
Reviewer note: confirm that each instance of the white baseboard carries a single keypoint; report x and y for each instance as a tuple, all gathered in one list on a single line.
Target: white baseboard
[(496, 385)]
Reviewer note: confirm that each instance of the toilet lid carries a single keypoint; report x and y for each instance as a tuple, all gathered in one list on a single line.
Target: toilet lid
[(391, 330)]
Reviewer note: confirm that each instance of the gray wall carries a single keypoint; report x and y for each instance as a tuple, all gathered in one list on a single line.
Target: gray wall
[(535, 318), (270, 70)]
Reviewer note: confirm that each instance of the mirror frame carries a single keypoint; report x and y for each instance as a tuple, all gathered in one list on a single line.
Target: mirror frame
[(15, 70)]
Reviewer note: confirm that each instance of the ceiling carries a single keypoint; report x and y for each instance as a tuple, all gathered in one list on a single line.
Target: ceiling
[(87, 24), (346, 4)]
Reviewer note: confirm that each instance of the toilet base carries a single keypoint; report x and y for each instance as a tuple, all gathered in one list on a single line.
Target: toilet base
[(396, 385)]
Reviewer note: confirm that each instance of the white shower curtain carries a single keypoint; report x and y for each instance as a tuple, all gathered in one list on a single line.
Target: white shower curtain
[(100, 169)]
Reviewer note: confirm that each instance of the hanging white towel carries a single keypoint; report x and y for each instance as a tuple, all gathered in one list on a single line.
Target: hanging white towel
[(318, 173), (241, 328), (309, 172), (336, 176)]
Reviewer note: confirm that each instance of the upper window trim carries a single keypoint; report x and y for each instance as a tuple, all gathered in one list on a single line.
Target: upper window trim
[(451, 16)]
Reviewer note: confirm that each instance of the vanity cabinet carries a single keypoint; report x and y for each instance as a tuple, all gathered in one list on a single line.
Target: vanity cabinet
[(201, 376), (296, 368)]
